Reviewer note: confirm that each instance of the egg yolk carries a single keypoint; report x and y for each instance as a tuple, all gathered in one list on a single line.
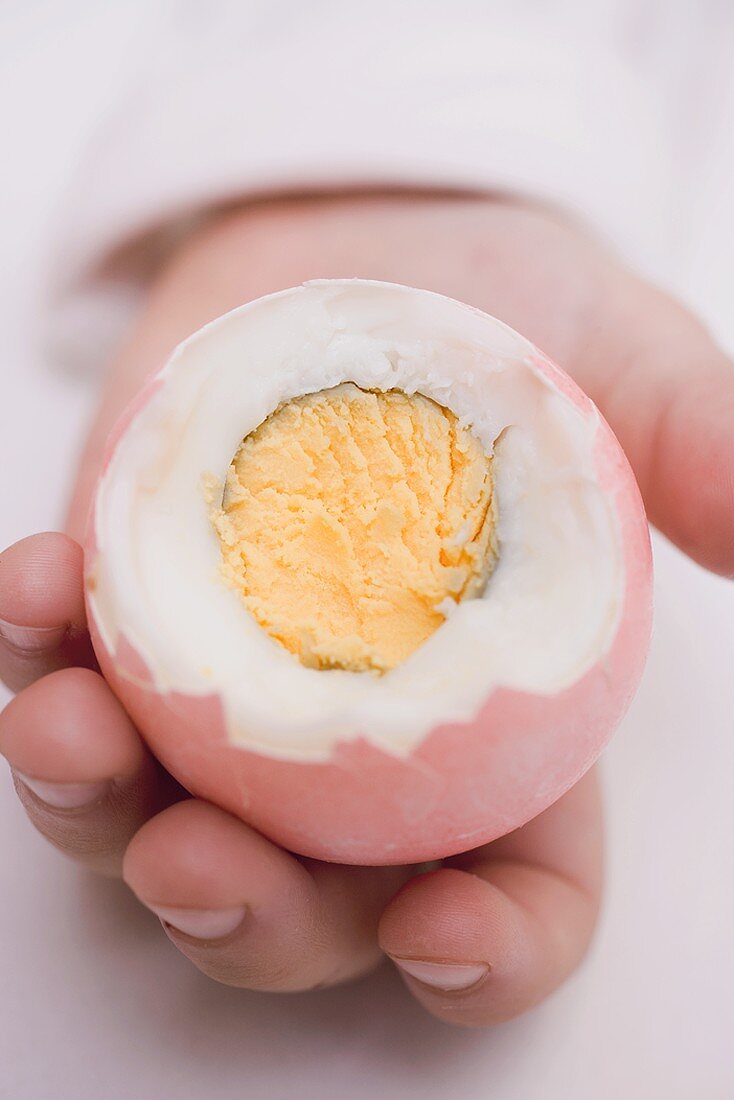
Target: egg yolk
[(352, 519)]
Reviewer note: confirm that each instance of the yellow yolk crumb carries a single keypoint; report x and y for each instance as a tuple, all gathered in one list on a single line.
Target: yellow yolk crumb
[(349, 517)]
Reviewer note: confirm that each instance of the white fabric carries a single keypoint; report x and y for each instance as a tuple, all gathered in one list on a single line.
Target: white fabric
[(579, 105)]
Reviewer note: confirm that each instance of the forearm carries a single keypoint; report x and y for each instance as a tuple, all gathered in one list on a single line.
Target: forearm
[(455, 245)]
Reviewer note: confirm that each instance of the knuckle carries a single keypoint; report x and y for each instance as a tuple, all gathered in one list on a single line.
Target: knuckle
[(96, 835)]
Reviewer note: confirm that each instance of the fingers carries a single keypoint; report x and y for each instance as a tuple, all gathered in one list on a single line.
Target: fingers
[(484, 939), (248, 913), (81, 771), (668, 392), (42, 617)]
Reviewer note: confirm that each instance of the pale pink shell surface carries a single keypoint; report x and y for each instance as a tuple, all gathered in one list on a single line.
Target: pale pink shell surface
[(465, 784)]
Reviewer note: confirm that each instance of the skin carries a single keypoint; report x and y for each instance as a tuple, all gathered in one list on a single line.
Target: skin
[(512, 919)]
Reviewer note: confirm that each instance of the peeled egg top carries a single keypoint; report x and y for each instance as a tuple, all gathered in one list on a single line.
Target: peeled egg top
[(353, 510)]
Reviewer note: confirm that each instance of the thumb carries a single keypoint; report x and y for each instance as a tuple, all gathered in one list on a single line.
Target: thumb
[(667, 391)]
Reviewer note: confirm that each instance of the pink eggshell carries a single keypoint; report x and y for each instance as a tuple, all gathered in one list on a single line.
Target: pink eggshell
[(465, 784)]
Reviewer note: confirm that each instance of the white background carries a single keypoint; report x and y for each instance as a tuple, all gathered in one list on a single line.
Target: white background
[(94, 1002)]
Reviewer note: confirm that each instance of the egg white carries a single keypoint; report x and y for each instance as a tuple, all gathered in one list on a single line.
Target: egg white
[(550, 609)]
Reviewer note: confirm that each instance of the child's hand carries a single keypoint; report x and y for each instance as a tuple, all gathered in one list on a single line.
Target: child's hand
[(492, 931)]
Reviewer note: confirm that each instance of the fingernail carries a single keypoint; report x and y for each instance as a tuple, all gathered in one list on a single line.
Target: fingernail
[(65, 796), (31, 639), (202, 924), (446, 976)]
